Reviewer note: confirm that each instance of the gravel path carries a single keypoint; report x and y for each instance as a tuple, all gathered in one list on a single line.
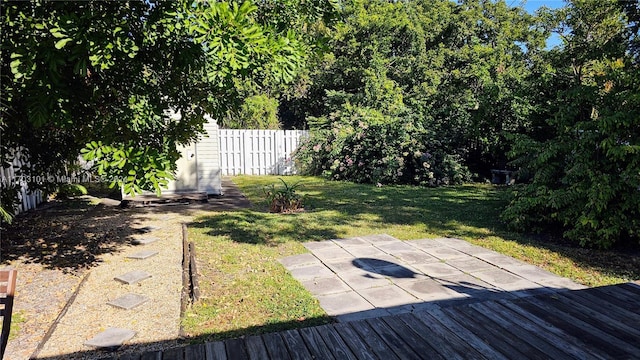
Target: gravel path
[(156, 322), (63, 247)]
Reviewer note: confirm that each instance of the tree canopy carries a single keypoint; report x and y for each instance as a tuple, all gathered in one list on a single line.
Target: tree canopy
[(103, 78)]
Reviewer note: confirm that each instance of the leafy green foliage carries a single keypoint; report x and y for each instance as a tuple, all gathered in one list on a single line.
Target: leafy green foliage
[(459, 68), (365, 146), (256, 112), (99, 78), (284, 199), (584, 158)]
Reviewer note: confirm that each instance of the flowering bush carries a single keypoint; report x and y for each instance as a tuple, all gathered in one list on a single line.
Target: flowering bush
[(363, 145)]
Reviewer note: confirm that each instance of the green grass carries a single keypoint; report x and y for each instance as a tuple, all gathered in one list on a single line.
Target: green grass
[(247, 291)]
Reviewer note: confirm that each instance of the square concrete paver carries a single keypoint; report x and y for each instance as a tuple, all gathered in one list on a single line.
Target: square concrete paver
[(365, 251), (377, 262), (470, 264), (141, 255), (332, 254), (319, 245), (110, 338), (379, 239), (344, 303), (299, 260), (350, 242), (423, 243), (445, 253), (387, 296), (133, 277), (145, 240), (128, 301), (326, 286), (430, 290), (505, 280), (437, 269), (415, 257), (342, 265), (395, 247), (311, 272), (363, 279), (471, 287)]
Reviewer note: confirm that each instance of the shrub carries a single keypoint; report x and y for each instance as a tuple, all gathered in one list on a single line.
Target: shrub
[(284, 199), (365, 146)]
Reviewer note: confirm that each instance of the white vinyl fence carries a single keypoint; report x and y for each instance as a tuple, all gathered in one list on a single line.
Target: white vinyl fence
[(258, 152), (8, 177)]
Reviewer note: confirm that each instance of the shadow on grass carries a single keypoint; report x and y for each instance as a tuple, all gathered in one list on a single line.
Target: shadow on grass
[(333, 209), (342, 209)]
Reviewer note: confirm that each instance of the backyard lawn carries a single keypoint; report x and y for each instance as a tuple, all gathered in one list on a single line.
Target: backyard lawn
[(246, 290)]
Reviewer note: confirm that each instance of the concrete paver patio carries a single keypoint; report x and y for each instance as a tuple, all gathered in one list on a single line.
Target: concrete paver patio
[(378, 275)]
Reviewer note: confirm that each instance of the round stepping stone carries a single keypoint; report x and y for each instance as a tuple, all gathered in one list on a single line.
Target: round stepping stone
[(145, 240), (141, 255), (133, 277), (111, 338), (128, 301)]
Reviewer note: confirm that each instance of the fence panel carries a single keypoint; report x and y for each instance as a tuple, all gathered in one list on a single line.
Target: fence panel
[(258, 152), (28, 199)]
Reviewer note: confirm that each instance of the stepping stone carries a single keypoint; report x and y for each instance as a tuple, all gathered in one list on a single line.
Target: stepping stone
[(128, 301), (141, 255), (147, 229), (133, 277), (145, 241), (110, 338)]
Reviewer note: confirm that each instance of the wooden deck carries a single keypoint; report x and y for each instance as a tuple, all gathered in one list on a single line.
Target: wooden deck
[(596, 323)]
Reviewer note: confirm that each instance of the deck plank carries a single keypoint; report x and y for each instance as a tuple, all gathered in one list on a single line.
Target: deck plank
[(618, 296), (446, 343), (295, 344), (465, 334), (619, 314), (215, 351), (590, 336), (595, 322), (236, 350), (374, 341), (393, 340), (419, 345), (196, 351), (505, 319), (152, 355), (575, 346), (255, 347), (338, 347), (485, 331), (315, 344), (590, 324), (359, 348), (604, 320), (275, 346), (173, 354)]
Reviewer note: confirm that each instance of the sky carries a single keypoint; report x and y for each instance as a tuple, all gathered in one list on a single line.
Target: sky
[(532, 5)]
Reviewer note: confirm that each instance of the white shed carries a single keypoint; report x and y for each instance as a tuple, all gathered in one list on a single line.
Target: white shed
[(198, 169)]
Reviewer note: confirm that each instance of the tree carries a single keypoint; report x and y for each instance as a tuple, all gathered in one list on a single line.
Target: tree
[(584, 156), (98, 78), (457, 68)]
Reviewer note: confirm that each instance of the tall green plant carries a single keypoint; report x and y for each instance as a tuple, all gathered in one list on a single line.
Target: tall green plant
[(584, 159)]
